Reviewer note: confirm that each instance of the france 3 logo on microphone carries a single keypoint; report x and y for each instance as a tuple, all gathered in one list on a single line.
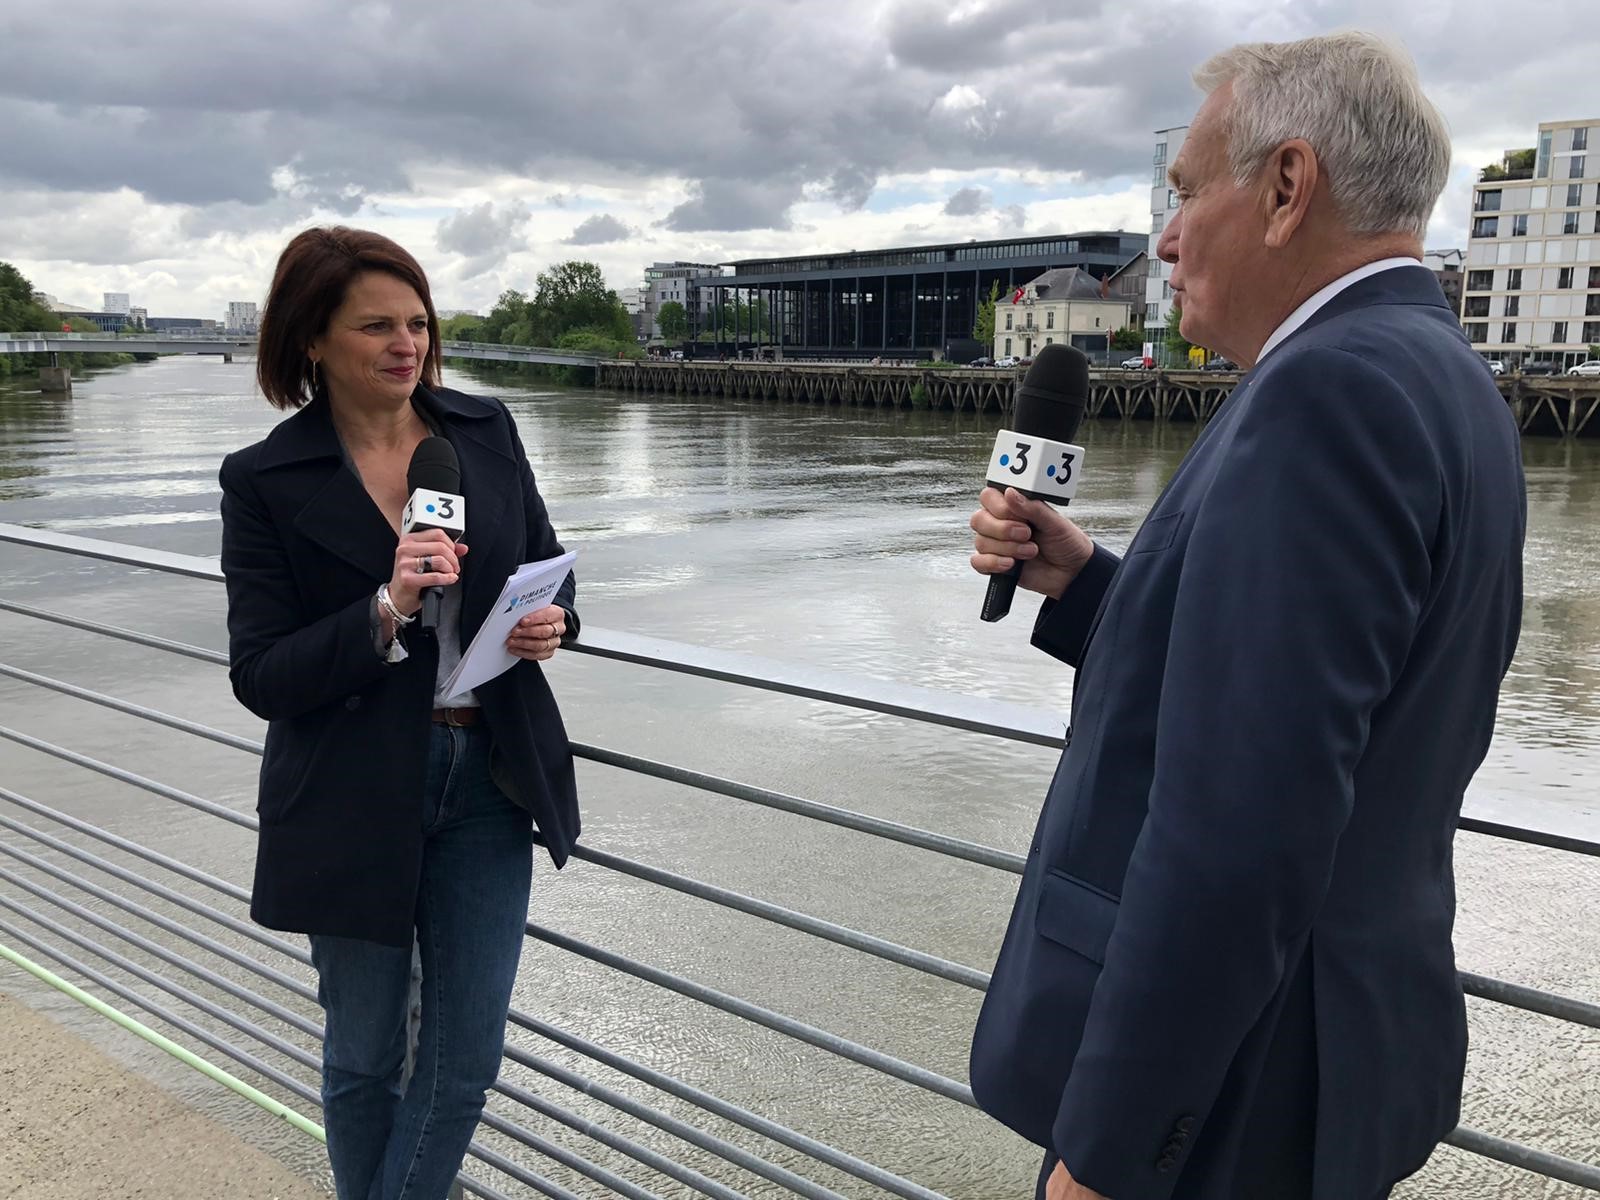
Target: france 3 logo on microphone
[(1042, 469), (428, 509)]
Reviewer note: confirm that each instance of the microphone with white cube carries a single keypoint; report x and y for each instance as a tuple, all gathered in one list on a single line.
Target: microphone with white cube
[(1038, 456), (434, 480)]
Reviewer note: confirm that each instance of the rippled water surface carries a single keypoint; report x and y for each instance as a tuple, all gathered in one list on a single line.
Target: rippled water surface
[(832, 538)]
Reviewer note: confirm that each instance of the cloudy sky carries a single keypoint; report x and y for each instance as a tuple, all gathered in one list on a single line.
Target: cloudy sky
[(170, 150)]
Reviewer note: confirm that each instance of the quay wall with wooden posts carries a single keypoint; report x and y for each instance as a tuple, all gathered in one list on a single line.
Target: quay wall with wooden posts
[(1546, 406)]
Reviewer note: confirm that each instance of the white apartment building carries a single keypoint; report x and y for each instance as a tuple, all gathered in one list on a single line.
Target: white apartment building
[(664, 281), (115, 302), (242, 316), (1067, 305), (1532, 289), (1163, 203)]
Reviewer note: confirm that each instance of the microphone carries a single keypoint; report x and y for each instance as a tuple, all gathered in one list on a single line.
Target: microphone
[(1038, 457), (434, 479)]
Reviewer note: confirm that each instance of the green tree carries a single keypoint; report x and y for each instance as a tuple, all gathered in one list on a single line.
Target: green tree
[(1127, 338), (463, 327), (983, 327), (674, 321), (573, 295), (1178, 346)]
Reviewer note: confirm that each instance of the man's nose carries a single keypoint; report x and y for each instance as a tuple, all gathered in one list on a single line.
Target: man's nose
[(1167, 243)]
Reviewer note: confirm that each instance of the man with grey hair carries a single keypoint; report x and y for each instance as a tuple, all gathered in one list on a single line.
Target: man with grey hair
[(1229, 972)]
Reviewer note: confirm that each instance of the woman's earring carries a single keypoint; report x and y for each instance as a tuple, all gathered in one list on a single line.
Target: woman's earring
[(315, 375)]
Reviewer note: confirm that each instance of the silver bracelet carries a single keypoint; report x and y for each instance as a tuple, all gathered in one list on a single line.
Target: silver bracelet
[(386, 603)]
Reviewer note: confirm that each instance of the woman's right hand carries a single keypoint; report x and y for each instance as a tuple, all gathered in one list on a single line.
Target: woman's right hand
[(431, 548), (1052, 552)]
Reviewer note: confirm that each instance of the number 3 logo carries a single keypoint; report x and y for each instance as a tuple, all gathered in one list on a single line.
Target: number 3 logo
[(447, 507), (1021, 463), (1067, 459)]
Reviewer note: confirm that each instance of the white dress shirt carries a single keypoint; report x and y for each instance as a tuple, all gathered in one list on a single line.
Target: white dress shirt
[(1305, 312)]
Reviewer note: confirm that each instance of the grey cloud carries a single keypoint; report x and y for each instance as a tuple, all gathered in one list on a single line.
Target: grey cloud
[(598, 230), (784, 97), (727, 205), (967, 202), (481, 230), (1014, 216)]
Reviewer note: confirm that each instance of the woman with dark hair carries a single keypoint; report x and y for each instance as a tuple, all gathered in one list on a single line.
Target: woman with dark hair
[(392, 816)]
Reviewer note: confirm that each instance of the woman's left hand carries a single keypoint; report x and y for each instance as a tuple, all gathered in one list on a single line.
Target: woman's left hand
[(537, 636)]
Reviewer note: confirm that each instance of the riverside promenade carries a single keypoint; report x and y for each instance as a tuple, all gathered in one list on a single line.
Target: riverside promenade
[(77, 1125)]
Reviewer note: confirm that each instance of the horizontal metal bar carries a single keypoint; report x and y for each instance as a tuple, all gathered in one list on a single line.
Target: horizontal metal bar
[(728, 1111), (155, 716), (658, 1162), (1516, 995), (841, 935), (845, 818), (128, 777), (134, 556), (972, 714), (155, 857), (723, 1149), (1533, 837), (117, 632), (1539, 1162), (188, 965), (887, 1064)]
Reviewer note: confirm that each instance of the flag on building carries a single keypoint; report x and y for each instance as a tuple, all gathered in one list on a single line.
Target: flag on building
[(1016, 296)]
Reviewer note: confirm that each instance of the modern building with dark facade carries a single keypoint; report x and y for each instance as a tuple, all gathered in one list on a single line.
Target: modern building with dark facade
[(911, 301)]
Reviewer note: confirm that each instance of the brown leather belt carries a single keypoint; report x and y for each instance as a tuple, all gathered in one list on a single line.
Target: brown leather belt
[(458, 717)]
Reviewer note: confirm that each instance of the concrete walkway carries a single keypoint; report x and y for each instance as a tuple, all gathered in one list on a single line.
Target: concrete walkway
[(75, 1125)]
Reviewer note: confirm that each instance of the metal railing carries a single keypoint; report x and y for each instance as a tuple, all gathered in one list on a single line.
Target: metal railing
[(38, 915)]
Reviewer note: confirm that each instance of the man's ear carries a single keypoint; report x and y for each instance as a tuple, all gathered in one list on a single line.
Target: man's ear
[(1289, 181)]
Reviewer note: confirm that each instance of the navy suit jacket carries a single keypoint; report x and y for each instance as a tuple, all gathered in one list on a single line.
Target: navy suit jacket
[(1282, 692), (303, 550)]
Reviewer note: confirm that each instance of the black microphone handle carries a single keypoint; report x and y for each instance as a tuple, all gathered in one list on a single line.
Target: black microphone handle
[(432, 601), (1002, 587)]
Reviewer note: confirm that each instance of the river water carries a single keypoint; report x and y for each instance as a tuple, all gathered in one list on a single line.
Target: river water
[(832, 538)]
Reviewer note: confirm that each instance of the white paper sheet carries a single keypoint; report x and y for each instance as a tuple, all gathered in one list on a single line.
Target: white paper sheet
[(531, 587)]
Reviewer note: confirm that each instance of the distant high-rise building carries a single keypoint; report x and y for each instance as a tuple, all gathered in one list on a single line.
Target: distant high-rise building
[(672, 281), (115, 302), (1532, 290), (1447, 268), (242, 316), (1163, 204)]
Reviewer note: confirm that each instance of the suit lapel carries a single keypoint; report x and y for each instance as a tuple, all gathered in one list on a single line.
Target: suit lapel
[(342, 519)]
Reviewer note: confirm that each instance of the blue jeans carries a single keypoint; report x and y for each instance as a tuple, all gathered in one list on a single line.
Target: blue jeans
[(392, 1142)]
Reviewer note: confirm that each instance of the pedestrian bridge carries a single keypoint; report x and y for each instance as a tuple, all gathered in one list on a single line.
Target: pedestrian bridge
[(228, 345), (574, 1115)]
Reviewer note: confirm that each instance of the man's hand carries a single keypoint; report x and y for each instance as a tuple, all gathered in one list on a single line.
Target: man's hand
[(1052, 552), (1062, 1187)]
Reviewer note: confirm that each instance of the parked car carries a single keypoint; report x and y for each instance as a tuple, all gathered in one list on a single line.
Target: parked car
[(1133, 364), (1496, 367), (1221, 364), (1592, 367), (981, 362), (1541, 366), (1009, 360)]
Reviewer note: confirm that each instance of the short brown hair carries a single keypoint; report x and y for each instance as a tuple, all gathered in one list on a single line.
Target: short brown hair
[(314, 272)]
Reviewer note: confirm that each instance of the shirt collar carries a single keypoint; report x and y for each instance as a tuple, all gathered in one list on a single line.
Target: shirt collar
[(1308, 309)]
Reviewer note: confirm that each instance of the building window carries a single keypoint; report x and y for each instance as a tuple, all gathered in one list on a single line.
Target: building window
[(1028, 320), (1508, 332), (1558, 335), (1161, 174), (1008, 324), (1597, 222), (1172, 198), (1591, 306), (1575, 171), (1478, 333), (1594, 277), (1519, 225), (1166, 289), (1574, 195), (1541, 168), (1049, 341), (1477, 306), (1158, 223), (1050, 319), (1580, 138), (1487, 202), (1008, 345), (1480, 281), (1513, 306), (1152, 313), (1161, 152), (1570, 223), (1486, 227), (1564, 277), (1514, 279)]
